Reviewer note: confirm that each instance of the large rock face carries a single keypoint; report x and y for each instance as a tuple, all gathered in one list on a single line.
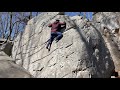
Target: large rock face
[(8, 68), (81, 53), (111, 33)]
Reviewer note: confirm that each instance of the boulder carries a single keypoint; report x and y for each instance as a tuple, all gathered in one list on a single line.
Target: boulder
[(8, 68), (81, 53)]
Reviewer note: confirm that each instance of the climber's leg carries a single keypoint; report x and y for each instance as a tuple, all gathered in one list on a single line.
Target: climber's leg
[(50, 40), (59, 36)]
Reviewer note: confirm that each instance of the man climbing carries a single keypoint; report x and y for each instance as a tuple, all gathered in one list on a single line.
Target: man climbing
[(55, 32)]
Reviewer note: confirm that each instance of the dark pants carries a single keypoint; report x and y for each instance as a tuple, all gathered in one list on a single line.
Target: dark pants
[(57, 35)]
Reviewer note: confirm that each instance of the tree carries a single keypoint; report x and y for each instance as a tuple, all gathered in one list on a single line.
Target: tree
[(4, 24), (11, 23)]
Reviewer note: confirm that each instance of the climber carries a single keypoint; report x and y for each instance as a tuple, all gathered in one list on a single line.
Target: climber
[(55, 32)]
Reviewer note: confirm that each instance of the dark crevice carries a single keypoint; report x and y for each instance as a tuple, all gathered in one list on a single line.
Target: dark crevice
[(69, 45), (39, 70)]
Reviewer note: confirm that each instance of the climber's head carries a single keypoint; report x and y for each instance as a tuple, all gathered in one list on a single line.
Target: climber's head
[(57, 20)]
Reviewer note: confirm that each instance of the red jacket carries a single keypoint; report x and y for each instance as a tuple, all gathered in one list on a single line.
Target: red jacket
[(56, 26)]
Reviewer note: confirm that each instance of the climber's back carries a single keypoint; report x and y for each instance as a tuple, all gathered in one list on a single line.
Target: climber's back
[(56, 26)]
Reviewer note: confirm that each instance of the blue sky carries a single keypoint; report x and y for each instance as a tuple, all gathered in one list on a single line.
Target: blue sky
[(76, 13)]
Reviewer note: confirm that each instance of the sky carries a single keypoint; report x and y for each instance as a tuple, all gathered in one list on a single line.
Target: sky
[(76, 13)]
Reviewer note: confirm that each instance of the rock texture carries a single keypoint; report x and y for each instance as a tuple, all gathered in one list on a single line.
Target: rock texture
[(108, 23), (6, 47), (8, 68), (81, 53)]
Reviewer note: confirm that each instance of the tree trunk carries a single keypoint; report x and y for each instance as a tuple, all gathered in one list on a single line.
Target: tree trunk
[(84, 14), (30, 15), (10, 27)]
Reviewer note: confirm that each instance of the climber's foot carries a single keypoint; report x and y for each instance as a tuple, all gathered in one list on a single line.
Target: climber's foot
[(48, 49)]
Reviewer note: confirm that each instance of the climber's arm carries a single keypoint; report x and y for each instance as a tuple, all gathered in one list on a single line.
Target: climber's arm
[(64, 23)]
